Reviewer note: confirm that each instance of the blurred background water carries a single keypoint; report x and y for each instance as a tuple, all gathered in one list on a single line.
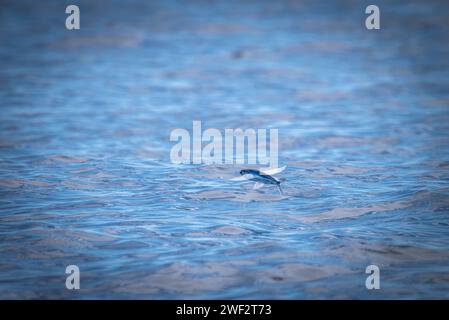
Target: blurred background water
[(86, 178)]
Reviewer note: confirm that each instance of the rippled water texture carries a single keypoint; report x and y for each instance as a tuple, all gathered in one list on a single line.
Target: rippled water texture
[(86, 178)]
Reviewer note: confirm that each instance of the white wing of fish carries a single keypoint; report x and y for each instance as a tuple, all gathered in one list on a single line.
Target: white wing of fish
[(271, 171), (243, 177), (258, 185)]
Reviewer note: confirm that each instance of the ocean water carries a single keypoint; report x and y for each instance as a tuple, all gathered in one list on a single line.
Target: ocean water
[(85, 171)]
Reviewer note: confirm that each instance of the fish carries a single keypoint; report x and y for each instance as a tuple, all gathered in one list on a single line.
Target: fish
[(261, 177)]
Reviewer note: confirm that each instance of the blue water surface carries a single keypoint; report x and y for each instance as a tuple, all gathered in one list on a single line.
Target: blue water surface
[(85, 171)]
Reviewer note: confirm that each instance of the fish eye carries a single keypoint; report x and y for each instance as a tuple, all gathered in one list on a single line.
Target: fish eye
[(242, 172)]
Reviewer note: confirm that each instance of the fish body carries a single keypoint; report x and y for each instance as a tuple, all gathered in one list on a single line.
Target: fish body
[(260, 178)]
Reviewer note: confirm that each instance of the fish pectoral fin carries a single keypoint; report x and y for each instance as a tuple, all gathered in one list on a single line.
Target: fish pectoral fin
[(258, 185), (271, 171), (242, 178)]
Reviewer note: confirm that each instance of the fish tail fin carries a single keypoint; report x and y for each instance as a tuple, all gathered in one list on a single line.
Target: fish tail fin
[(280, 189)]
